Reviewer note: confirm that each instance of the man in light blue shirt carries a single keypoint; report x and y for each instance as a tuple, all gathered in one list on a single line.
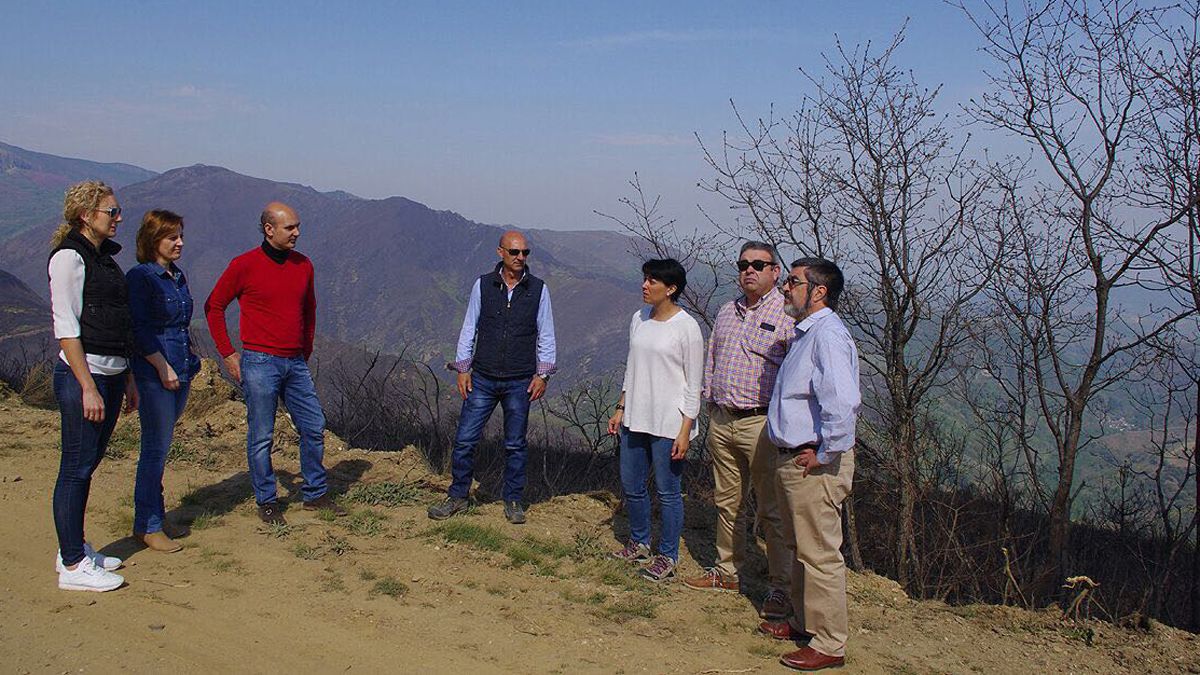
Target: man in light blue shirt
[(506, 353), (811, 418)]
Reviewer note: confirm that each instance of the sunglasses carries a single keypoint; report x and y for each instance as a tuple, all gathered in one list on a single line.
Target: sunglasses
[(758, 265), (514, 252), (112, 212), (794, 281)]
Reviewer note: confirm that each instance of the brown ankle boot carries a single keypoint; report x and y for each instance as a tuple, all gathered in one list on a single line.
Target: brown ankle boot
[(159, 541)]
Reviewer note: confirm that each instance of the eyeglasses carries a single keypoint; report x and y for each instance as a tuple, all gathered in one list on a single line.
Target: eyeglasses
[(112, 212), (794, 281), (758, 265), (514, 252)]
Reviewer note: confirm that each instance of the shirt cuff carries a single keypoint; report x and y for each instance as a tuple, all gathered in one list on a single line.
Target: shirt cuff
[(544, 368), (463, 366)]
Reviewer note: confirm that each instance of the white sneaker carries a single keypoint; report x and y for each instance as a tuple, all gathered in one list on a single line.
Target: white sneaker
[(88, 577), (103, 561)]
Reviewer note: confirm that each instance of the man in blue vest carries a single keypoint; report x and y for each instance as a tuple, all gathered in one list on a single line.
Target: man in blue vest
[(506, 354)]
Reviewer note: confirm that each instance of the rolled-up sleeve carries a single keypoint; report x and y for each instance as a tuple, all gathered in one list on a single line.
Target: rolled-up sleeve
[(836, 385)]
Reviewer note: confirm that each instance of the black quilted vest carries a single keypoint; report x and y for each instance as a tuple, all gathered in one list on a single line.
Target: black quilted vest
[(104, 324), (506, 334)]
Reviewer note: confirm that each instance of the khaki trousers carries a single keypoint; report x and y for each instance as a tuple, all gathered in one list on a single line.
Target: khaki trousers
[(744, 458), (812, 518)]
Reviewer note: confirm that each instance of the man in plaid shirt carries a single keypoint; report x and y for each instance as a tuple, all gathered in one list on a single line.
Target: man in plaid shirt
[(747, 346)]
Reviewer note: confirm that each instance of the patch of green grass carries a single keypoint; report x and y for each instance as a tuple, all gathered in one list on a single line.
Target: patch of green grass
[(587, 546), (386, 494), (389, 586), (206, 520), (123, 443), (326, 515), (337, 545), (548, 547), (482, 537), (367, 575), (630, 607), (306, 552), (365, 523), (277, 530), (573, 596)]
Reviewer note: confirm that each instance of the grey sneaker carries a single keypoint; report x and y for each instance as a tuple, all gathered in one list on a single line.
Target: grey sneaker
[(450, 507), (776, 606), (514, 512), (660, 568), (632, 553)]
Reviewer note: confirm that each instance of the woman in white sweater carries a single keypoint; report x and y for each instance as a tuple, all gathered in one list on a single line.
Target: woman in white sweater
[(656, 415)]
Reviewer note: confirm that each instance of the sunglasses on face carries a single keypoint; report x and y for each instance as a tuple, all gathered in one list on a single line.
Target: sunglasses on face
[(112, 212), (758, 265), (514, 252), (794, 281)]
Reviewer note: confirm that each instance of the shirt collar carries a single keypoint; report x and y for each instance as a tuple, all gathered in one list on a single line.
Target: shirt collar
[(273, 253), (500, 273), (812, 319), (742, 307)]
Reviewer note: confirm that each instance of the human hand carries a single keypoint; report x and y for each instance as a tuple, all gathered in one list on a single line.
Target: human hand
[(93, 405), (233, 363), (679, 448), (537, 388), (464, 385), (614, 423), (807, 460), (168, 377)]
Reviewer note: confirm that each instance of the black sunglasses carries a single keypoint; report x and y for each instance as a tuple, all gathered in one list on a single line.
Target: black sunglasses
[(514, 252), (758, 265), (112, 211), (794, 281)]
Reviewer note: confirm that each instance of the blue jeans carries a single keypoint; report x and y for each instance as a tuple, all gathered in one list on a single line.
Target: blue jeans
[(640, 451), (158, 410), (513, 397), (265, 379), (83, 445)]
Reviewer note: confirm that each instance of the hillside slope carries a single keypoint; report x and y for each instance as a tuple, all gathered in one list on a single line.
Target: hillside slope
[(386, 590)]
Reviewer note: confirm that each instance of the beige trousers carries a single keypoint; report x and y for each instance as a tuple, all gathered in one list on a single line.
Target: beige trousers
[(743, 458), (812, 518)]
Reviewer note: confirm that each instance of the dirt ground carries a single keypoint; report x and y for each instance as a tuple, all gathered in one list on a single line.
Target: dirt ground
[(387, 590)]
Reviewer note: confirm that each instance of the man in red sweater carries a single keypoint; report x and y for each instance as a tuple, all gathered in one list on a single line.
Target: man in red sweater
[(273, 285)]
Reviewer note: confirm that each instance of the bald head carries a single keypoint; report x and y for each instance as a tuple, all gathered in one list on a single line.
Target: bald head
[(513, 263), (280, 225)]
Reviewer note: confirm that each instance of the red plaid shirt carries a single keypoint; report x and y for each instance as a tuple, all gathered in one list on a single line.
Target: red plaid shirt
[(745, 350)]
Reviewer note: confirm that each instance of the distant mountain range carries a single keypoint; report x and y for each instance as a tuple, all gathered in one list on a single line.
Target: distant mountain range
[(392, 274)]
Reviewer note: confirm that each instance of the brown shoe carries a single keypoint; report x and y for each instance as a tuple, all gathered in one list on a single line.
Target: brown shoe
[(776, 606), (712, 580), (782, 630), (807, 658), (325, 502), (158, 541)]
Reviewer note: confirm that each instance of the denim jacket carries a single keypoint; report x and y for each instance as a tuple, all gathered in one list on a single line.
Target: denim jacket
[(161, 308)]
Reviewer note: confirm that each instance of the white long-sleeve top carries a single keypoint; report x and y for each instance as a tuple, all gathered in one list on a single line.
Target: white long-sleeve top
[(66, 271), (663, 373)]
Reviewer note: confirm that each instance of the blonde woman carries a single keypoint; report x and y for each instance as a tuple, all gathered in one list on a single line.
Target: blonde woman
[(161, 306), (90, 304)]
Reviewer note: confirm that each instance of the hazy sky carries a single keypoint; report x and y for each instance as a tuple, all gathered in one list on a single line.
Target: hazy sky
[(527, 113)]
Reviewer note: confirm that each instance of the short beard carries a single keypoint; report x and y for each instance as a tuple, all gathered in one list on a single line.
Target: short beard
[(791, 311)]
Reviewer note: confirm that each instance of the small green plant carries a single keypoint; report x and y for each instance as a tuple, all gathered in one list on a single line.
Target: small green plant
[(386, 494), (326, 515), (389, 586), (548, 547), (206, 520), (306, 552), (277, 530), (365, 523), (483, 537), (587, 546), (337, 545), (367, 575)]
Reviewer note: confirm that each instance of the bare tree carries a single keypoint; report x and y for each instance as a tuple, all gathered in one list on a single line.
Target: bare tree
[(868, 173), (1069, 82)]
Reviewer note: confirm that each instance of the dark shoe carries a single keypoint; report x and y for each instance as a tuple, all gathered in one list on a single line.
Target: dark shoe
[(271, 514), (807, 658), (660, 568), (632, 553), (782, 630), (325, 502), (448, 508), (514, 512), (776, 606), (712, 580)]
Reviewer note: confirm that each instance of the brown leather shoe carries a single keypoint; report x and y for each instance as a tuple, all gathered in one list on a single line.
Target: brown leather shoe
[(325, 502), (782, 630), (158, 541), (712, 580), (807, 658)]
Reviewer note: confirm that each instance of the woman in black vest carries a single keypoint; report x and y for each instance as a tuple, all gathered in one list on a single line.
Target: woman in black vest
[(90, 304)]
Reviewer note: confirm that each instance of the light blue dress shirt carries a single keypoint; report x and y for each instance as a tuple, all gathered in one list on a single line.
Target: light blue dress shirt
[(817, 396), (547, 348)]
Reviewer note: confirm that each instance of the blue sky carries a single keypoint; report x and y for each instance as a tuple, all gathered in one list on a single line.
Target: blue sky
[(526, 113)]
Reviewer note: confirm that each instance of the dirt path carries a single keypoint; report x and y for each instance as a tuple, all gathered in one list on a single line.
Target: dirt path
[(384, 591)]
